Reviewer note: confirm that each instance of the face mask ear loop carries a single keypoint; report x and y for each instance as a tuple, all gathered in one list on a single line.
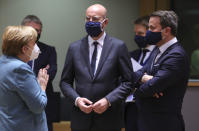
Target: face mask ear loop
[(102, 23), (33, 63), (162, 31)]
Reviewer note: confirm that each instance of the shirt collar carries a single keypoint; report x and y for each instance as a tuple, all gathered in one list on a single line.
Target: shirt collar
[(150, 47), (167, 45), (100, 40)]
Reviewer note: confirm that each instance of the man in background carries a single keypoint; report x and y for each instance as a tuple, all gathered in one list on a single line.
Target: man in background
[(47, 59), (141, 55)]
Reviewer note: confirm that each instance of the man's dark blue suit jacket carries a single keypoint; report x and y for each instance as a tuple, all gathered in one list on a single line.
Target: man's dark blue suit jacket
[(114, 63), (136, 54), (170, 76)]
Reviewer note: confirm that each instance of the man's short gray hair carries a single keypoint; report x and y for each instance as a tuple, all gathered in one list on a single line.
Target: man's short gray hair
[(31, 18)]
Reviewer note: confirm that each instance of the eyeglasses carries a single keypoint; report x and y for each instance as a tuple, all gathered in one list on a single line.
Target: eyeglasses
[(94, 18)]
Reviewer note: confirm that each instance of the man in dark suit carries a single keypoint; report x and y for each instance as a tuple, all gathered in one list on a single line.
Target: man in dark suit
[(141, 55), (96, 63), (47, 59), (165, 77)]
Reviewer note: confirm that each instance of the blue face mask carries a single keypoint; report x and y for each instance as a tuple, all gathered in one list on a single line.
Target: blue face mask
[(140, 41), (153, 38), (94, 28)]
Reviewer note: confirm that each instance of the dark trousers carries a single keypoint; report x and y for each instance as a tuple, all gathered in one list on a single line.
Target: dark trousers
[(50, 126), (131, 117), (160, 121)]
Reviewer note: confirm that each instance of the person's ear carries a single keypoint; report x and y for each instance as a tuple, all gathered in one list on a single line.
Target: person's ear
[(168, 30), (105, 22), (24, 49)]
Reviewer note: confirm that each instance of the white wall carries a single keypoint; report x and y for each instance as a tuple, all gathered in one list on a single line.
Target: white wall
[(63, 21)]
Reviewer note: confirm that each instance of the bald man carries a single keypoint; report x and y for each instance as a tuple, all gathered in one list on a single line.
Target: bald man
[(96, 63)]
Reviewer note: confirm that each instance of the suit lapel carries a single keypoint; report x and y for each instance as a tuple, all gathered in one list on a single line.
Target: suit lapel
[(85, 54), (105, 51), (162, 57), (166, 52)]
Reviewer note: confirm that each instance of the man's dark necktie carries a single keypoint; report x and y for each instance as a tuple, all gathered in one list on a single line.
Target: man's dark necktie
[(155, 53), (94, 57), (144, 51)]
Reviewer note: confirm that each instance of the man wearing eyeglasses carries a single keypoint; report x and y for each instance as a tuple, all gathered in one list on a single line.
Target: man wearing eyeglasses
[(96, 63)]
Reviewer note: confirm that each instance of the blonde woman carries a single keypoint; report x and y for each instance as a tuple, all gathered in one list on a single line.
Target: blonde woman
[(22, 95)]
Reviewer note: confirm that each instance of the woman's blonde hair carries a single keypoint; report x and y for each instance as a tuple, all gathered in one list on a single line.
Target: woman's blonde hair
[(15, 37)]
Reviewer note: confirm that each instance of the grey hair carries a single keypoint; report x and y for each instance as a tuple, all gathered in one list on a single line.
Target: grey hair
[(167, 19), (31, 18)]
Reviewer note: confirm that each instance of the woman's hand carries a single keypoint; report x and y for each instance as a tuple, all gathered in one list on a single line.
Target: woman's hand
[(43, 78)]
